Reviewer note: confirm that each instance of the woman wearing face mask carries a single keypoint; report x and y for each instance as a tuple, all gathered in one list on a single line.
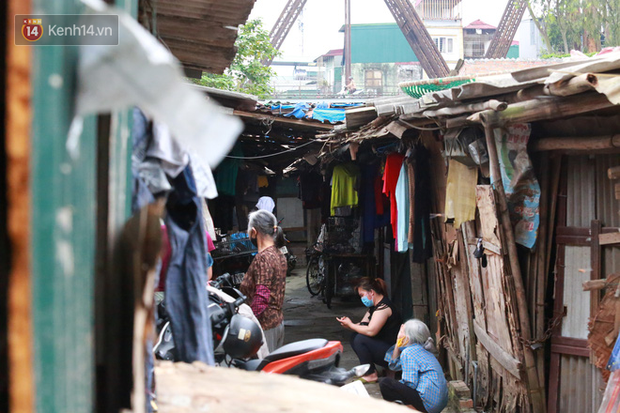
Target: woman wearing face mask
[(377, 331), (265, 280)]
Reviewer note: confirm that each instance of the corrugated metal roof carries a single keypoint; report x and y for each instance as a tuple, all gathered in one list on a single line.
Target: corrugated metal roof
[(577, 270), (202, 33), (479, 24)]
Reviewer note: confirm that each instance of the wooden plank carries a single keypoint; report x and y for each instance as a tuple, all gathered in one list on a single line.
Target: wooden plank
[(595, 264), (283, 121), (609, 239), (200, 388), (613, 172), (512, 365), (576, 144), (536, 395), (18, 143)]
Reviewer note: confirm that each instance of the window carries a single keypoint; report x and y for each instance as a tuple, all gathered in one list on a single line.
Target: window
[(374, 79), (444, 44)]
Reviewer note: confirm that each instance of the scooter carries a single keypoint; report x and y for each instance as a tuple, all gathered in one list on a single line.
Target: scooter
[(237, 339)]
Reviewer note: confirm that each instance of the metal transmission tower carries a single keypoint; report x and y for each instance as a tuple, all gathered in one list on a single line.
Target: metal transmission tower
[(507, 29), (284, 23), (418, 37)]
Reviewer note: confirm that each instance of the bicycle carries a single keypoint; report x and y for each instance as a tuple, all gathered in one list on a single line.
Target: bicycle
[(315, 273)]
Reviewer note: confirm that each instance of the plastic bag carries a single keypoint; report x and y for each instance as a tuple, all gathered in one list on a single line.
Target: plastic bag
[(611, 399)]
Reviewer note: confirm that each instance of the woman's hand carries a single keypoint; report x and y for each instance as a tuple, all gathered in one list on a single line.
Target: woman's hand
[(401, 340), (345, 322)]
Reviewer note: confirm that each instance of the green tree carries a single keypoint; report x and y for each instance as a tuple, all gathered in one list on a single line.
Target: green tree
[(246, 73)]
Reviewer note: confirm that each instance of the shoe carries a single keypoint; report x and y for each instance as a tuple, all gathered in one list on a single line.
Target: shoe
[(364, 381)]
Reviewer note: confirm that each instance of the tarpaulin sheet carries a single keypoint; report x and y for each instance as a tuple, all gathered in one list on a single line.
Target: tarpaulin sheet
[(520, 183), (330, 115)]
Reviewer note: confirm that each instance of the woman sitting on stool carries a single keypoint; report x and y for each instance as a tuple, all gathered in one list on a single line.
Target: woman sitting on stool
[(377, 331), (423, 385)]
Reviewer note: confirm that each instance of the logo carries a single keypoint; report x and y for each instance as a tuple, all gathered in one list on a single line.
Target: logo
[(248, 335), (32, 29)]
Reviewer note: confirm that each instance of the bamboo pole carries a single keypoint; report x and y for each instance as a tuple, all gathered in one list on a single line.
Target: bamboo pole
[(547, 108), (537, 396), (492, 104), (541, 266)]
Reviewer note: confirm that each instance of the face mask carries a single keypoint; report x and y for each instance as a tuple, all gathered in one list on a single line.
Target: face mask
[(367, 301), (254, 240)]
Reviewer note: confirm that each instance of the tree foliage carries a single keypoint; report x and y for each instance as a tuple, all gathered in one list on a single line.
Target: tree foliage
[(585, 25), (246, 73)]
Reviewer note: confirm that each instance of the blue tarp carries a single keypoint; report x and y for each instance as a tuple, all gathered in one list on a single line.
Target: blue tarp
[(282, 107), (300, 111), (330, 115)]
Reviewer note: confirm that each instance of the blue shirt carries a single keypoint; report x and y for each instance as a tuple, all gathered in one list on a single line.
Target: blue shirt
[(402, 204), (421, 371)]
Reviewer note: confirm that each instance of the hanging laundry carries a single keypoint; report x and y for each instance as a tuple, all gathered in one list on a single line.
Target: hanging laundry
[(370, 190), (402, 202), (461, 193), (310, 190), (344, 191), (411, 172), (263, 182), (186, 296), (393, 164), (422, 246), (226, 174)]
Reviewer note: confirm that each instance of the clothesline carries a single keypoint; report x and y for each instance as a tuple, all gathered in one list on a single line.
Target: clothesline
[(246, 158)]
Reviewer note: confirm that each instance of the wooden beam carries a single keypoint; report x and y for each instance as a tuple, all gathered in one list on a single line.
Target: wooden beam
[(609, 239), (18, 132), (584, 143), (512, 365), (283, 121), (595, 264), (537, 396)]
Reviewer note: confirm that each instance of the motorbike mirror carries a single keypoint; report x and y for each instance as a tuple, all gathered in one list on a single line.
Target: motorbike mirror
[(361, 369)]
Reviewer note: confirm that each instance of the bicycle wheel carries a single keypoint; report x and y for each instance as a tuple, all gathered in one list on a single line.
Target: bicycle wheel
[(314, 276)]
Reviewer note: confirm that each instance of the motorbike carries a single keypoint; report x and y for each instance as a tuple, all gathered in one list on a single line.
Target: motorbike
[(239, 340)]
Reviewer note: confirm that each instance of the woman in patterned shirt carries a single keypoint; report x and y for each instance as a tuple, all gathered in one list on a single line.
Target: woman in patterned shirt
[(265, 280), (423, 385)]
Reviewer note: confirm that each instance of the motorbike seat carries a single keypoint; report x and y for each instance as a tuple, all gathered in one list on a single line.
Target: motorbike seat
[(296, 348)]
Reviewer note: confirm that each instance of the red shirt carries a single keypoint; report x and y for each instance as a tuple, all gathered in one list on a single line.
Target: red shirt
[(393, 163)]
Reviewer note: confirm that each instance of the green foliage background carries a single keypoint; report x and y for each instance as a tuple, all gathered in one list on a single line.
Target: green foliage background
[(246, 73)]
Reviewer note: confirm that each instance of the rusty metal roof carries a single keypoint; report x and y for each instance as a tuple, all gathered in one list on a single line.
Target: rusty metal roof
[(202, 33)]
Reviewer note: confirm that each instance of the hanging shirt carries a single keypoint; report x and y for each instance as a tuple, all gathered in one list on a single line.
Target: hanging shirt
[(393, 165), (402, 202), (344, 192)]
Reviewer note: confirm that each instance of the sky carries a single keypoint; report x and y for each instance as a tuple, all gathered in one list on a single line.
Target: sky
[(321, 20)]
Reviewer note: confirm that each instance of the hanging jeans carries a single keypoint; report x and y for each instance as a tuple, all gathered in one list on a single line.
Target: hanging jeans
[(186, 297)]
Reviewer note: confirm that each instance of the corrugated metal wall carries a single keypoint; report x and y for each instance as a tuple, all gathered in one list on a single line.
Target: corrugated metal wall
[(607, 209), (580, 205), (590, 195), (577, 302), (580, 385)]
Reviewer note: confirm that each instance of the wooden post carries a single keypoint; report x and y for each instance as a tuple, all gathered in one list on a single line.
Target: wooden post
[(18, 132), (595, 264), (537, 396), (541, 266)]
